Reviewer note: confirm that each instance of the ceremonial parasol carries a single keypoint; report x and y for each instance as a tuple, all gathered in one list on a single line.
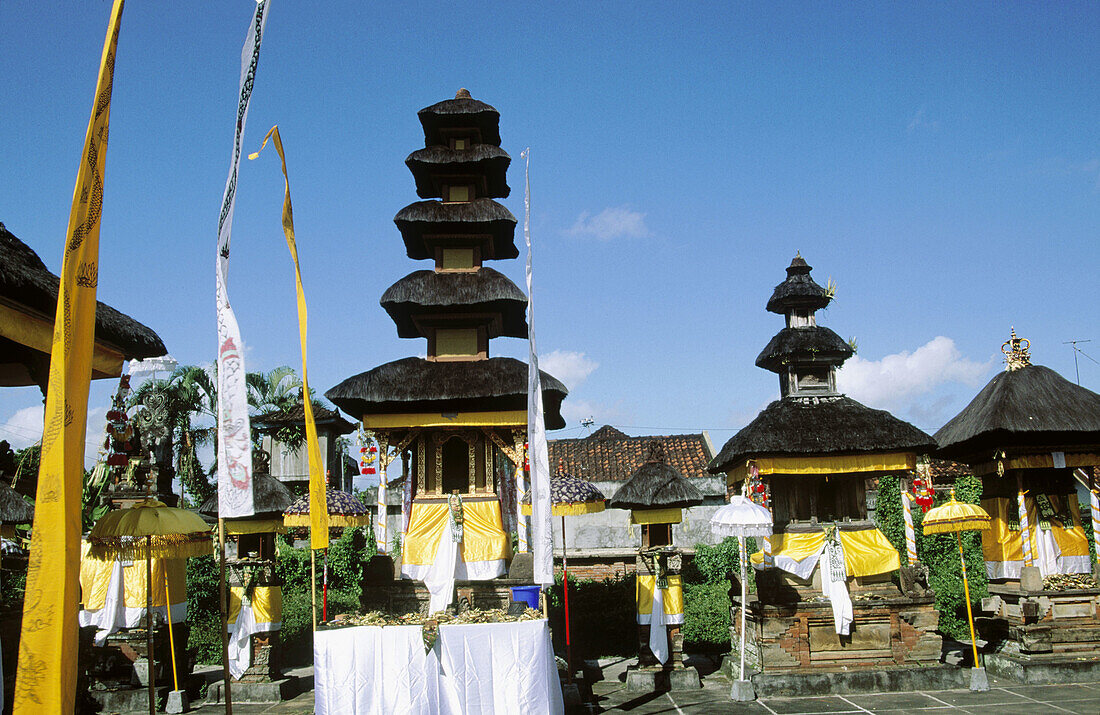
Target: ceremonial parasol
[(742, 518), (344, 510), (569, 496), (151, 529), (956, 516)]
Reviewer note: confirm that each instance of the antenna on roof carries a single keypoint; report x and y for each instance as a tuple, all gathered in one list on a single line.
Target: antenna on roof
[(1078, 350), (587, 423)]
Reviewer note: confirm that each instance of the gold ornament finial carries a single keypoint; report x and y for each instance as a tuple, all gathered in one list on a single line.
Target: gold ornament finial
[(1017, 352)]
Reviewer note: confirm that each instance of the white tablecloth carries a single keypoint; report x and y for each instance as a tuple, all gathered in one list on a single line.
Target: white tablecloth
[(472, 669)]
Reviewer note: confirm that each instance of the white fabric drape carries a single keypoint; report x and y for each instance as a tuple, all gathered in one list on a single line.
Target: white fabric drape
[(834, 582), (368, 671), (658, 634), (240, 640), (440, 579)]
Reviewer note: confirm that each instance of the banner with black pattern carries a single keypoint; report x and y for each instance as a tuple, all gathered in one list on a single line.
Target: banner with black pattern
[(46, 675)]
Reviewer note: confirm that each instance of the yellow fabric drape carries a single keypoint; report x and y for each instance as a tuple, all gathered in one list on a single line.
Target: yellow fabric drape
[(46, 674), (866, 552), (656, 516), (95, 576), (267, 604), (236, 527), (673, 596), (483, 537), (1039, 461), (1002, 544), (509, 418), (890, 462), (318, 503)]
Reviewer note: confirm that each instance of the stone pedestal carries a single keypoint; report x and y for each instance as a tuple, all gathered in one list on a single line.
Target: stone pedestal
[(266, 659)]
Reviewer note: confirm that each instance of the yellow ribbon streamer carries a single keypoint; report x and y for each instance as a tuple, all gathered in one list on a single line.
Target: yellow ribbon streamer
[(318, 505), (46, 676)]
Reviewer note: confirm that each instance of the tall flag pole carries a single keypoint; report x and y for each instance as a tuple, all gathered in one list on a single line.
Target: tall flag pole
[(318, 503), (234, 432), (46, 675), (542, 520)]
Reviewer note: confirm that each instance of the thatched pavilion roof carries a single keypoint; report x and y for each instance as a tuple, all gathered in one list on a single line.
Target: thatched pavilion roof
[(798, 290), (26, 283), (414, 385), (14, 509), (461, 112), (1029, 407), (480, 291), (812, 343), (482, 164), (656, 484), (806, 427), (481, 221), (269, 496)]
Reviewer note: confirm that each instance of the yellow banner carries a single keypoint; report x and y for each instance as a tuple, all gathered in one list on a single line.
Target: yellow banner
[(46, 676), (318, 504)]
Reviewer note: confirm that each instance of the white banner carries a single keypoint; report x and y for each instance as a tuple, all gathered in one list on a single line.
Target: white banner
[(234, 433), (381, 535), (542, 521)]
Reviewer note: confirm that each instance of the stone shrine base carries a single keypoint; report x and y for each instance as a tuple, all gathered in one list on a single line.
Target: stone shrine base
[(656, 679), (273, 691), (825, 681)]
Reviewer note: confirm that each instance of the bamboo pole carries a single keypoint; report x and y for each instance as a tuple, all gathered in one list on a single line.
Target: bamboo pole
[(149, 623), (966, 591), (171, 637), (223, 604)]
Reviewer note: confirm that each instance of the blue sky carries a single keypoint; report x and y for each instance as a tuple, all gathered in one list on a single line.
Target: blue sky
[(940, 162)]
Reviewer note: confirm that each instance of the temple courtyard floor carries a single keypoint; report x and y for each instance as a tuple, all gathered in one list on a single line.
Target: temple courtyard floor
[(1003, 698)]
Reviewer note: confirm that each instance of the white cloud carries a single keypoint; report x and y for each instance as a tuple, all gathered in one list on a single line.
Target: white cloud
[(899, 381), (576, 410), (24, 428), (611, 223), (569, 366), (920, 120)]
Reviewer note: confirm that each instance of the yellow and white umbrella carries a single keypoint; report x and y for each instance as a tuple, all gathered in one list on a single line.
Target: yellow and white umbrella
[(957, 517)]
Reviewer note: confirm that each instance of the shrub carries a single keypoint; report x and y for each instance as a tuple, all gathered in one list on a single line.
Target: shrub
[(714, 564), (940, 552), (707, 617), (601, 617)]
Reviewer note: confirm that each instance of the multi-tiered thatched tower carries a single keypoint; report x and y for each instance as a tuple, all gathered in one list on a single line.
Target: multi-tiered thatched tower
[(459, 413)]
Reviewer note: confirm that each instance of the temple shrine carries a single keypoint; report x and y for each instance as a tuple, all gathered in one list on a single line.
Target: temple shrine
[(458, 416), (1032, 437), (826, 597)]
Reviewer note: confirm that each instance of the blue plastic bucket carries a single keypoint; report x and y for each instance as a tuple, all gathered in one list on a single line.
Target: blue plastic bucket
[(526, 594)]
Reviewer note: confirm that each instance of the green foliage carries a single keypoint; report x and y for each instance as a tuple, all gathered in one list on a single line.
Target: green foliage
[(204, 637), (346, 557), (707, 616), (395, 546), (601, 617), (940, 552), (714, 564), (11, 588)]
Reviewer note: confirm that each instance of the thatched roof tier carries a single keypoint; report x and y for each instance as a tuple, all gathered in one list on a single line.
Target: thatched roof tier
[(430, 294), (481, 222), (1032, 407), (805, 427), (656, 485), (462, 112), (483, 165), (296, 415), (29, 288), (811, 344), (416, 385), (14, 509), (269, 496), (798, 291)]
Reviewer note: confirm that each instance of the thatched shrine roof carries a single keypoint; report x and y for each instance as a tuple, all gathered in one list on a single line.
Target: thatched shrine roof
[(30, 287), (482, 164), (270, 497), (480, 291), (296, 415), (481, 221), (14, 509), (798, 291), (656, 484), (415, 385), (814, 343), (461, 112), (824, 426), (1032, 406)]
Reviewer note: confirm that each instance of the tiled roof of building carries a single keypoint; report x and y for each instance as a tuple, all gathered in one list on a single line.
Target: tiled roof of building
[(944, 471), (610, 455)]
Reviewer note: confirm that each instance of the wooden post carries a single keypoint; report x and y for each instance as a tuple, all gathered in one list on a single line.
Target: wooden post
[(223, 602), (171, 638), (149, 623)]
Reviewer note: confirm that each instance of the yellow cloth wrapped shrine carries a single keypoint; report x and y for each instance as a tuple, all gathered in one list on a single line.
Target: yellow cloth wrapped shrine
[(267, 606), (484, 543), (673, 598), (867, 552), (1055, 551)]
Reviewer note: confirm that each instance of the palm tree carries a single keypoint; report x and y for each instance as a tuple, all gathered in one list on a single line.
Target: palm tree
[(273, 391)]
